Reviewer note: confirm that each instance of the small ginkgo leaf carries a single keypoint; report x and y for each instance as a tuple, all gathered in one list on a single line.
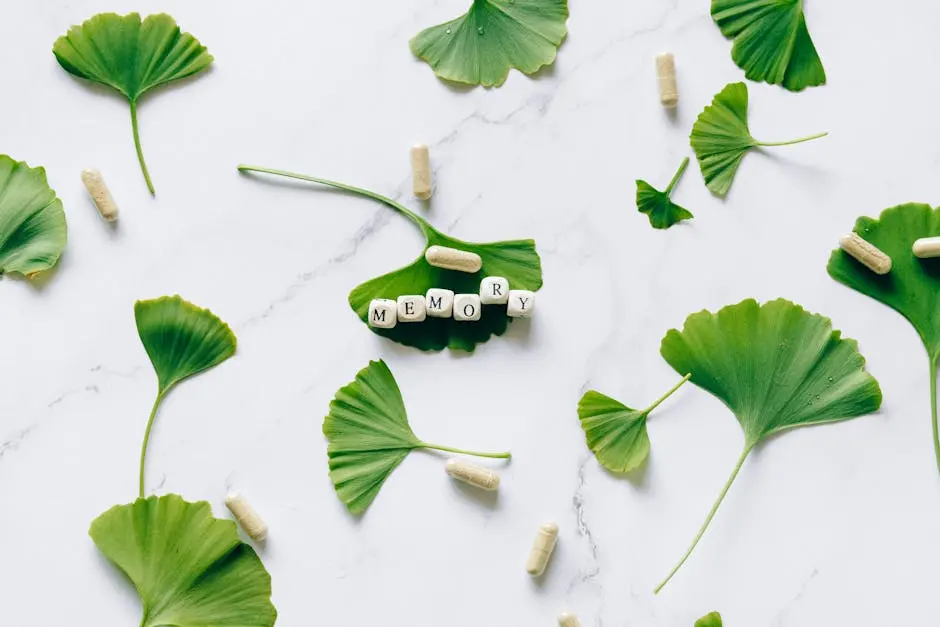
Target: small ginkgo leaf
[(481, 46), (720, 138), (771, 42), (32, 223), (189, 568), (515, 260), (131, 56), (709, 620), (615, 433), (777, 367), (369, 436), (661, 211)]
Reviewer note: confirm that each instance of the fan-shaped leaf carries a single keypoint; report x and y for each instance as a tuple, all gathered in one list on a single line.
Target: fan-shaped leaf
[(32, 223), (720, 138), (775, 366), (771, 42), (131, 56), (369, 436), (481, 46), (189, 568), (661, 211), (709, 620)]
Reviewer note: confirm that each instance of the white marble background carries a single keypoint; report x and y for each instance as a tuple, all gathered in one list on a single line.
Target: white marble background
[(827, 526)]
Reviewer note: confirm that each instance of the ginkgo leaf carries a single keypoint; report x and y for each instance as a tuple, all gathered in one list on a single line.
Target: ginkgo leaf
[(912, 288), (709, 620), (369, 436), (181, 340), (661, 211), (516, 260), (615, 433), (777, 367), (189, 568), (481, 46), (131, 56), (32, 223), (771, 42), (720, 138)]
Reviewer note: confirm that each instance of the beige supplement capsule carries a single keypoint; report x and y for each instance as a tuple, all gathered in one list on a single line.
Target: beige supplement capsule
[(542, 549), (865, 253), (666, 74), (248, 519), (100, 194), (421, 171), (568, 620), (476, 476), (453, 259), (927, 247)]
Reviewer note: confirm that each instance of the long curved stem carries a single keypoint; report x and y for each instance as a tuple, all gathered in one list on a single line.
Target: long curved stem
[(143, 448), (933, 410), (448, 449), (675, 178), (794, 141), (140, 152), (711, 514), (669, 393)]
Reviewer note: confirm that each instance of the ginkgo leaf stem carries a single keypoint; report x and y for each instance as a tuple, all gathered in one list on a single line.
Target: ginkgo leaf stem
[(143, 448), (793, 141), (140, 152), (678, 174), (678, 385), (933, 410), (711, 514), (448, 449)]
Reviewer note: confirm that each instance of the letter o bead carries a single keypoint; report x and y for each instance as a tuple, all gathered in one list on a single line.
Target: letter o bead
[(383, 313), (467, 307), (521, 303)]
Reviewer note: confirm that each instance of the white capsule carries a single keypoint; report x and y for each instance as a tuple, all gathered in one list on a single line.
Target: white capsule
[(421, 171), (666, 74), (100, 194), (247, 517), (453, 259), (542, 549), (568, 620), (865, 253), (927, 247), (476, 476)]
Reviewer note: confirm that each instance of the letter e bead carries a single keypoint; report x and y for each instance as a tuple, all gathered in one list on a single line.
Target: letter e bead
[(383, 313), (494, 290), (521, 303), (411, 308), (467, 307), (439, 303)]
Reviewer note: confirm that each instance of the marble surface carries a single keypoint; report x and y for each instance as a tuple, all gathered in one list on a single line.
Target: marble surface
[(826, 526)]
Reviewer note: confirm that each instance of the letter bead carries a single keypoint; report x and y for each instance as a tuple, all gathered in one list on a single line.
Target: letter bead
[(100, 194), (421, 172), (453, 259), (568, 620), (467, 307), (494, 290), (476, 476), (383, 313), (439, 303), (411, 308), (248, 519), (542, 549), (521, 303), (927, 247), (666, 75), (865, 253)]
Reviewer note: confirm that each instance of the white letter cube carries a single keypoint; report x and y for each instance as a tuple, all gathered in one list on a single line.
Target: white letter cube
[(411, 308), (494, 290), (467, 307), (383, 313), (439, 303), (521, 304)]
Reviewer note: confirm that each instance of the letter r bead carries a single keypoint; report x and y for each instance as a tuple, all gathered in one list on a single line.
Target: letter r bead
[(494, 290)]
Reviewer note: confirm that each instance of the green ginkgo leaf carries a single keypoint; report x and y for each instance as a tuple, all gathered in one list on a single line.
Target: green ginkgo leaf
[(516, 260), (657, 205), (771, 42), (181, 340), (912, 288), (131, 56), (189, 568), (720, 138), (481, 46), (615, 433), (709, 620), (777, 367), (32, 223), (369, 436)]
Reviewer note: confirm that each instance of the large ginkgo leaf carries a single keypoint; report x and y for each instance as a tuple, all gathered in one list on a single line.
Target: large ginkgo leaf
[(777, 367), (721, 137), (771, 42), (481, 46), (32, 223), (189, 568), (131, 56), (912, 288), (369, 436), (516, 260), (657, 205)]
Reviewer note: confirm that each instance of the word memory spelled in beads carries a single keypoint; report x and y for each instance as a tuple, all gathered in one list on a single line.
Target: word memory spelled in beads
[(542, 549), (472, 474), (248, 519), (865, 253)]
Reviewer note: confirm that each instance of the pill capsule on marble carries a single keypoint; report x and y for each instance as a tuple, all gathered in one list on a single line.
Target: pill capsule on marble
[(494, 290), (453, 259), (865, 253), (476, 476), (568, 620), (927, 247), (421, 171), (248, 519), (439, 303), (100, 194), (666, 75), (542, 549), (411, 308), (383, 313), (467, 307), (521, 303)]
